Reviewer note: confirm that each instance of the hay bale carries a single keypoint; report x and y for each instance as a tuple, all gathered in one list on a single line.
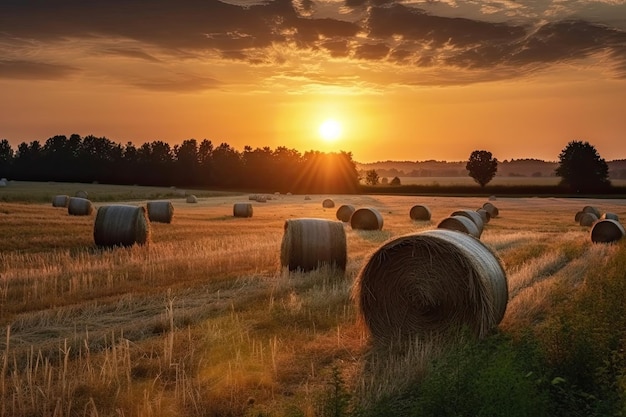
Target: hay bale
[(577, 216), (366, 218), (609, 216), (60, 200), (121, 225), (473, 216), (429, 283), (344, 212), (261, 198), (242, 210), (419, 212), (492, 198), (587, 219), (607, 231), (3, 182), (309, 243), (484, 214), (306, 197), (328, 203), (78, 206), (192, 198), (81, 194), (160, 211), (460, 224), (491, 209), (252, 197), (592, 210)]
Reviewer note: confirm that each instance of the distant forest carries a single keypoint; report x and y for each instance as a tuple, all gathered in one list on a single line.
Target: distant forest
[(190, 164)]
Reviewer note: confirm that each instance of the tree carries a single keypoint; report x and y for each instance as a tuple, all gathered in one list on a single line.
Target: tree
[(482, 167), (395, 181), (581, 168), (371, 177)]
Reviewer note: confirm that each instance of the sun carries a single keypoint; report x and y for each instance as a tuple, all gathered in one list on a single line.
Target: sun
[(330, 130)]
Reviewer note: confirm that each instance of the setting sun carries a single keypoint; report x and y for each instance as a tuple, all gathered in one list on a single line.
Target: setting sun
[(330, 130)]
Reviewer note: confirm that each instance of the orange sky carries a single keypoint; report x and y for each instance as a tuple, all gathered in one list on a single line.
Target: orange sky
[(406, 80)]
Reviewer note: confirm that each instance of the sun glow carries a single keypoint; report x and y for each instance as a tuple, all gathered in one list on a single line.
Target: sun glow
[(330, 130)]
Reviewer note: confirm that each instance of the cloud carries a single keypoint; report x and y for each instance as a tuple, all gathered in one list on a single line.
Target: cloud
[(32, 70)]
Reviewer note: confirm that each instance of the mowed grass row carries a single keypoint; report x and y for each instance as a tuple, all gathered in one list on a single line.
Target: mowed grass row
[(203, 321)]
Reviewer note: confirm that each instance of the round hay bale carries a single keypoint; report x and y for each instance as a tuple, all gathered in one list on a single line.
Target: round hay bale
[(78, 206), (592, 210), (473, 216), (3, 183), (460, 224), (192, 198), (609, 216), (419, 212), (577, 216), (328, 203), (81, 194), (484, 214), (60, 200), (261, 198), (491, 209), (242, 210), (492, 198), (306, 197), (366, 218), (344, 212), (121, 225), (607, 231), (587, 219), (428, 283), (309, 243), (160, 211), (252, 197)]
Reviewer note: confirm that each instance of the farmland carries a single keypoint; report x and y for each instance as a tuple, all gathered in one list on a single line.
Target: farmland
[(203, 321)]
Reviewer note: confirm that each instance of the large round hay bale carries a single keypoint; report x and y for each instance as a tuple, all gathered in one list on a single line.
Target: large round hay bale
[(484, 214), (587, 219), (252, 197), (81, 194), (310, 243), (592, 210), (60, 200), (428, 283), (242, 210), (460, 224), (328, 203), (121, 225), (419, 212), (577, 216), (261, 198), (607, 231), (473, 216), (344, 212), (306, 197), (491, 209), (192, 198), (3, 182), (160, 211), (609, 216), (78, 206), (366, 218)]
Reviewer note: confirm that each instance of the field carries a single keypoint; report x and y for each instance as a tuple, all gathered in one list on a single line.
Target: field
[(204, 322), (498, 180)]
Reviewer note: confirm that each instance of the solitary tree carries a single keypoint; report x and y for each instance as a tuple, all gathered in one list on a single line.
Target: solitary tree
[(581, 168), (482, 167), (371, 177), (395, 181)]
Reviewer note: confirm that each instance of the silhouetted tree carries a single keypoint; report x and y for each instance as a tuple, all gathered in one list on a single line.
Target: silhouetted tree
[(395, 181), (187, 166), (371, 177), (582, 169), (6, 158), (482, 167)]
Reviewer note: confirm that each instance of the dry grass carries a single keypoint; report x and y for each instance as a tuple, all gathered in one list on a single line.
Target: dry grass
[(205, 322)]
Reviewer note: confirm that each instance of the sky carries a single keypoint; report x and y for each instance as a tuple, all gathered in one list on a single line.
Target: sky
[(403, 80)]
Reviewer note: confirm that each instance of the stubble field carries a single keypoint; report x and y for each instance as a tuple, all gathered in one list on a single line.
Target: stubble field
[(204, 322)]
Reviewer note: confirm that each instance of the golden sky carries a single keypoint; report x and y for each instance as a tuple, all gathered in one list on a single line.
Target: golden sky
[(405, 80)]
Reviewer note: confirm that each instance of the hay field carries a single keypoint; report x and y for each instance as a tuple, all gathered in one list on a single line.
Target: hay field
[(497, 180), (203, 322)]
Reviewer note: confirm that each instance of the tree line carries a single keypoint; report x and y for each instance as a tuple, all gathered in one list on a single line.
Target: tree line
[(190, 164)]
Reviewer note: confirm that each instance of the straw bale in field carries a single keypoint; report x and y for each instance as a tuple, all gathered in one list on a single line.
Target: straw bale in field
[(366, 218), (121, 225), (78, 206), (419, 212), (429, 283), (81, 194), (306, 197), (60, 200), (252, 197), (161, 211), (242, 210), (611, 216), (484, 214), (3, 182), (328, 203), (607, 231), (577, 216), (309, 243), (192, 198), (592, 210), (491, 209), (587, 219), (344, 212), (473, 216), (261, 198), (492, 198), (460, 224)]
